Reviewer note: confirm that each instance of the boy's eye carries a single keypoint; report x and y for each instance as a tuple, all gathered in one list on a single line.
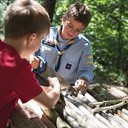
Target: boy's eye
[(70, 26), (78, 31)]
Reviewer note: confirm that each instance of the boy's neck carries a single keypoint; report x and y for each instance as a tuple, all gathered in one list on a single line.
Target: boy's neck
[(61, 34), (16, 44)]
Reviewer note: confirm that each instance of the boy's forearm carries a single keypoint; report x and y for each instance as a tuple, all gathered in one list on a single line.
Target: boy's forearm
[(54, 96)]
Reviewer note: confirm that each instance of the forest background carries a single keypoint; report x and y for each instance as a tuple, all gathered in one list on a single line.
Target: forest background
[(108, 33)]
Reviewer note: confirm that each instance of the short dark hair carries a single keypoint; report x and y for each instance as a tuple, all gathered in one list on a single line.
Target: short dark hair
[(25, 17), (80, 12)]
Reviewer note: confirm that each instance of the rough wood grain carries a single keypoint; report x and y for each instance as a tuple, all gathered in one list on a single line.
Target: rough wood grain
[(20, 119)]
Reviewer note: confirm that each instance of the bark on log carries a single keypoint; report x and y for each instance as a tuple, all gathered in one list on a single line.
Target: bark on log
[(101, 93), (73, 118), (103, 120), (117, 93), (125, 111), (76, 107), (84, 112), (90, 97), (55, 118), (47, 122), (122, 115), (124, 89), (37, 109), (30, 113), (123, 122), (114, 122), (75, 112), (73, 123), (71, 103), (20, 119), (96, 95)]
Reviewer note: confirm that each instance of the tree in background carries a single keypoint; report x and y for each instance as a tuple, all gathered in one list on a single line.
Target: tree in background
[(108, 33), (3, 6), (49, 5)]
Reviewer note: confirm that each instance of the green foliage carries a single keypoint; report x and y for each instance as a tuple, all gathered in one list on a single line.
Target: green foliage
[(3, 6), (107, 33), (109, 38)]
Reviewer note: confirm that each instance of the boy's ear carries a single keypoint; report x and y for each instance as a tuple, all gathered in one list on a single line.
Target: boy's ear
[(63, 18), (30, 38)]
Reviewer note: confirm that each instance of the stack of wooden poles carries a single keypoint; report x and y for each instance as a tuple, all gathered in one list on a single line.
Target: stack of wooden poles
[(103, 106)]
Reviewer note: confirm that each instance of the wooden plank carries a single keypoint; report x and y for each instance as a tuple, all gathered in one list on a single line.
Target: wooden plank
[(21, 119), (55, 118)]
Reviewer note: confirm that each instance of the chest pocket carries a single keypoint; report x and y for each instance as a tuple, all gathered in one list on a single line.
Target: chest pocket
[(70, 62), (72, 57)]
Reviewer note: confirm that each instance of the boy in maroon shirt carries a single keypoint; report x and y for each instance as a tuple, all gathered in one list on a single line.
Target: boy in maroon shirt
[(26, 23)]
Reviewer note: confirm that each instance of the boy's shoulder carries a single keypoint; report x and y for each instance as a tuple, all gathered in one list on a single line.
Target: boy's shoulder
[(83, 39), (53, 29), (53, 32), (49, 40)]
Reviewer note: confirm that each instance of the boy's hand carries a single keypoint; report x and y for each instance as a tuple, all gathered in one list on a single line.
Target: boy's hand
[(81, 85), (34, 61), (55, 84)]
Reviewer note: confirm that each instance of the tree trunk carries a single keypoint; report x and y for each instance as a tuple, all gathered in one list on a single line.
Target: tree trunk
[(49, 5)]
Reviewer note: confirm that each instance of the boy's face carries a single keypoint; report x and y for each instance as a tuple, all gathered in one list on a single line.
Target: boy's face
[(71, 28)]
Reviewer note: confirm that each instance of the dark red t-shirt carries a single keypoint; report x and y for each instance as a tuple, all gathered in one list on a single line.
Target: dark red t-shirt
[(17, 81)]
